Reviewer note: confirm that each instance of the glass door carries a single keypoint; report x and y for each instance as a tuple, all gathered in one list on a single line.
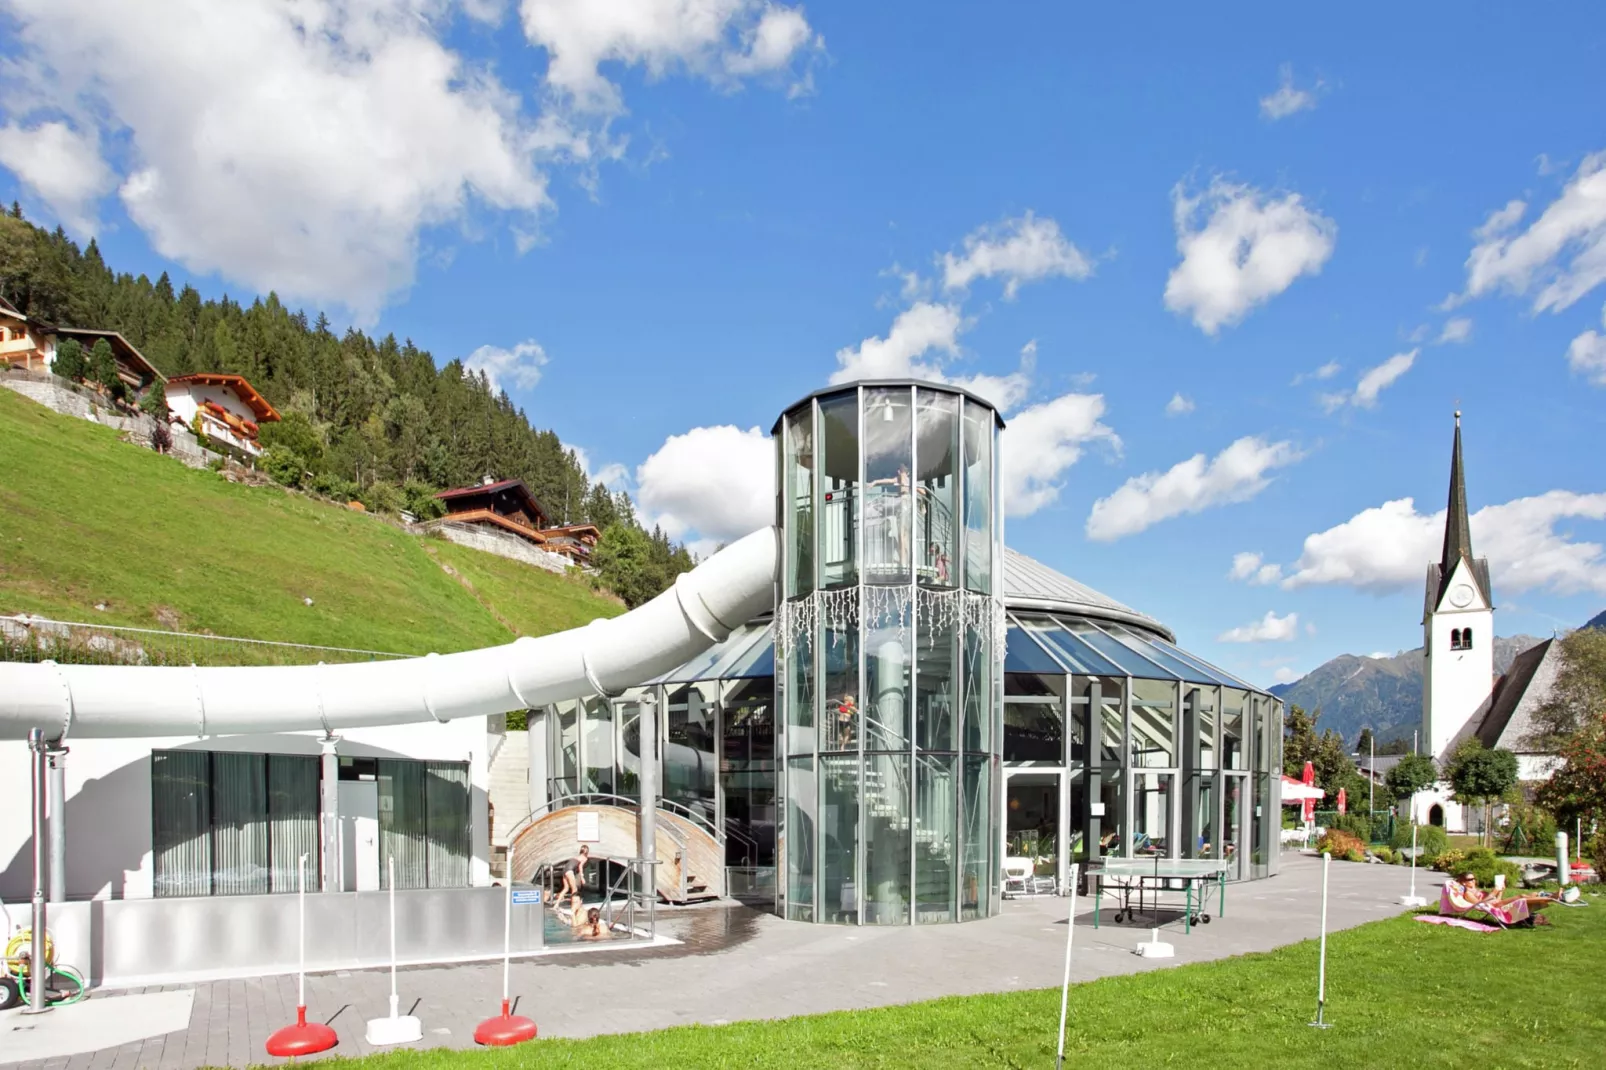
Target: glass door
[(1035, 828)]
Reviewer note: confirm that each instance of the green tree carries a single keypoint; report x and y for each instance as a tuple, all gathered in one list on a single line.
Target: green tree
[(1480, 776), (623, 559), (1577, 788), (1578, 694), (1413, 773), (103, 367), (1364, 742), (69, 362), (419, 499), (295, 432), (284, 465), (154, 403), (1327, 754)]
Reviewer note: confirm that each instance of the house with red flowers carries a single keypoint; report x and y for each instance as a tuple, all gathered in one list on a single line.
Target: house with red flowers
[(229, 408)]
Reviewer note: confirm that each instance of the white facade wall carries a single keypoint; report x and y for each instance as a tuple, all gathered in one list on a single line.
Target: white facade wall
[(1457, 683), (184, 401), (108, 783)]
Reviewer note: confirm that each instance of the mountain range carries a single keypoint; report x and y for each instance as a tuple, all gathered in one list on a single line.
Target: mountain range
[(1383, 693)]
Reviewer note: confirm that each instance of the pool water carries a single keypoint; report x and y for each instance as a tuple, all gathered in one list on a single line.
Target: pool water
[(556, 930)]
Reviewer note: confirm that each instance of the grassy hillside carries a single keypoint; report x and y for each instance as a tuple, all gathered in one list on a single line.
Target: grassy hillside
[(87, 519)]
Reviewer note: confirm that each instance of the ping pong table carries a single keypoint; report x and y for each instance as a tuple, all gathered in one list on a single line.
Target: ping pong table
[(1147, 879)]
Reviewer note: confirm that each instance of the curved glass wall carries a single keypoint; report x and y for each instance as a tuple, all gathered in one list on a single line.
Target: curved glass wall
[(889, 638)]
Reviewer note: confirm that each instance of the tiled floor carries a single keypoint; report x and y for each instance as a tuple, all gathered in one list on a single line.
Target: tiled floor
[(738, 964)]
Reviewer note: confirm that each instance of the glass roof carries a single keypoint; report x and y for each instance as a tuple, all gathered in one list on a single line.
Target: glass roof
[(1045, 643)]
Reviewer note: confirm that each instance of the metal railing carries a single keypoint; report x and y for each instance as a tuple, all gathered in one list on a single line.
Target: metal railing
[(34, 639)]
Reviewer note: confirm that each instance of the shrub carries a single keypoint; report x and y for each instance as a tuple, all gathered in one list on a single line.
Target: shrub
[(216, 464), (1485, 865), (1341, 844), (381, 497), (1596, 852), (284, 465), (161, 437), (419, 499), (1431, 840), (1450, 861), (1532, 832), (154, 403), (332, 486), (1357, 825), (1383, 855)]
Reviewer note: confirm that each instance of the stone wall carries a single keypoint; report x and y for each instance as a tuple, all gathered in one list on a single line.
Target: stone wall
[(69, 399), (500, 543)]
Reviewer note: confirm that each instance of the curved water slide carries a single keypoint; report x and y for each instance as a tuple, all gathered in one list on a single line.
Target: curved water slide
[(604, 657)]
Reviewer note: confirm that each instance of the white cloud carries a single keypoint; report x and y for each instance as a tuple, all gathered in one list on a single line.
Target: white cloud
[(61, 165), (920, 338), (1285, 675), (1326, 371), (613, 474), (1269, 629), (1179, 405), (1039, 443), (1251, 247), (308, 146), (1587, 354), (1236, 474), (1373, 381), (517, 367), (1018, 250), (1388, 547), (1455, 330), (1253, 569), (709, 485), (1286, 100), (1562, 253), (720, 40)]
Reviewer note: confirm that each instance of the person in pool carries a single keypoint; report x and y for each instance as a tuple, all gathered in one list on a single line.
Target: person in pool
[(593, 928), (574, 878)]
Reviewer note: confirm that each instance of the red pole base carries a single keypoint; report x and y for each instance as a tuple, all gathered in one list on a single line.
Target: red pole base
[(504, 1030), (303, 1038)]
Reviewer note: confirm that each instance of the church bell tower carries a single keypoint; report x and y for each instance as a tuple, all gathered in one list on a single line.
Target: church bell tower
[(1458, 627)]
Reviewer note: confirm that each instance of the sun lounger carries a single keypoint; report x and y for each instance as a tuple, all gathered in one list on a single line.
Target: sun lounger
[(1457, 901)]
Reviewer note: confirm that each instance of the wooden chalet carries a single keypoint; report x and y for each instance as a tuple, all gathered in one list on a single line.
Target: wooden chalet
[(30, 343), (229, 408), (505, 504), (574, 541)]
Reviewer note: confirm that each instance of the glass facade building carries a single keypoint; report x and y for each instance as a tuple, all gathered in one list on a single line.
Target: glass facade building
[(925, 703)]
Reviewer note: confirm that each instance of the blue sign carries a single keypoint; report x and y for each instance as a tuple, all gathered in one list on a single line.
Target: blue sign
[(523, 897)]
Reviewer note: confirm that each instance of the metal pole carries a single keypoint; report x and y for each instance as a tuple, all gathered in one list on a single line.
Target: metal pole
[(507, 942), (57, 756), (331, 849), (1562, 871), (647, 815), (1371, 777), (394, 1001), (1413, 856), (301, 909), (1321, 969), (38, 968), (1065, 987)]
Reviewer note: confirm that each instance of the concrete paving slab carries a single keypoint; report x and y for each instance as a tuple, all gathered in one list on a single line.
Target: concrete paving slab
[(105, 1027)]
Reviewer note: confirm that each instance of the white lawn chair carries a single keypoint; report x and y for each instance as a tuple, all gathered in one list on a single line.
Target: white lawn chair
[(1017, 876)]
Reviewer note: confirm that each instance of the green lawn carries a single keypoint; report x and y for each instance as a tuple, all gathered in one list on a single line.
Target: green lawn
[(1400, 994), (86, 519)]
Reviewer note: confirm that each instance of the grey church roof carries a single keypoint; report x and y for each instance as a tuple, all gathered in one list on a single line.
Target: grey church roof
[(1030, 584), (1457, 537), (1523, 688)]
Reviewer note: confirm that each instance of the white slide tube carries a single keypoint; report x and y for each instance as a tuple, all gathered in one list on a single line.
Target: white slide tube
[(604, 657)]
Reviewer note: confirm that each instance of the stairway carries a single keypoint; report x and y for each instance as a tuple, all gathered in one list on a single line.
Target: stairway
[(509, 794), (886, 822)]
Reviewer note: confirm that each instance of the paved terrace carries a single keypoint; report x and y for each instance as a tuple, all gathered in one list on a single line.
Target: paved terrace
[(739, 964)]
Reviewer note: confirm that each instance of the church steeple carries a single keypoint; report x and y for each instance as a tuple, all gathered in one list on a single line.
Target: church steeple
[(1457, 529)]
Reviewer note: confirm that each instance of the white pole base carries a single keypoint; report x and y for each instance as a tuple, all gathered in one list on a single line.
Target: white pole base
[(1155, 948), (1412, 901), (403, 1029)]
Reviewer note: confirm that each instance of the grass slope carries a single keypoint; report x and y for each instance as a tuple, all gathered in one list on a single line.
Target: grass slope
[(86, 519), (1400, 994)]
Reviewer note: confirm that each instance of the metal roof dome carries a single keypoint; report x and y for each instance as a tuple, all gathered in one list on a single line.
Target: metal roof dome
[(1030, 584)]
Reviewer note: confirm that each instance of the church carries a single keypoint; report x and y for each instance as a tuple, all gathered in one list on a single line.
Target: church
[(1461, 694)]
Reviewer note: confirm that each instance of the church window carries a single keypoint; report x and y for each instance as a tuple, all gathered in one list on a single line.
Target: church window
[(1466, 638), (1460, 638)]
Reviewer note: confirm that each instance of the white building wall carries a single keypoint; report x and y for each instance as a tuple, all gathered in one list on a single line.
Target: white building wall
[(108, 784), (184, 401), (1457, 683)]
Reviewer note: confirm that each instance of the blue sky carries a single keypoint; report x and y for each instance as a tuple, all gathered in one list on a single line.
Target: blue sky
[(701, 209)]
